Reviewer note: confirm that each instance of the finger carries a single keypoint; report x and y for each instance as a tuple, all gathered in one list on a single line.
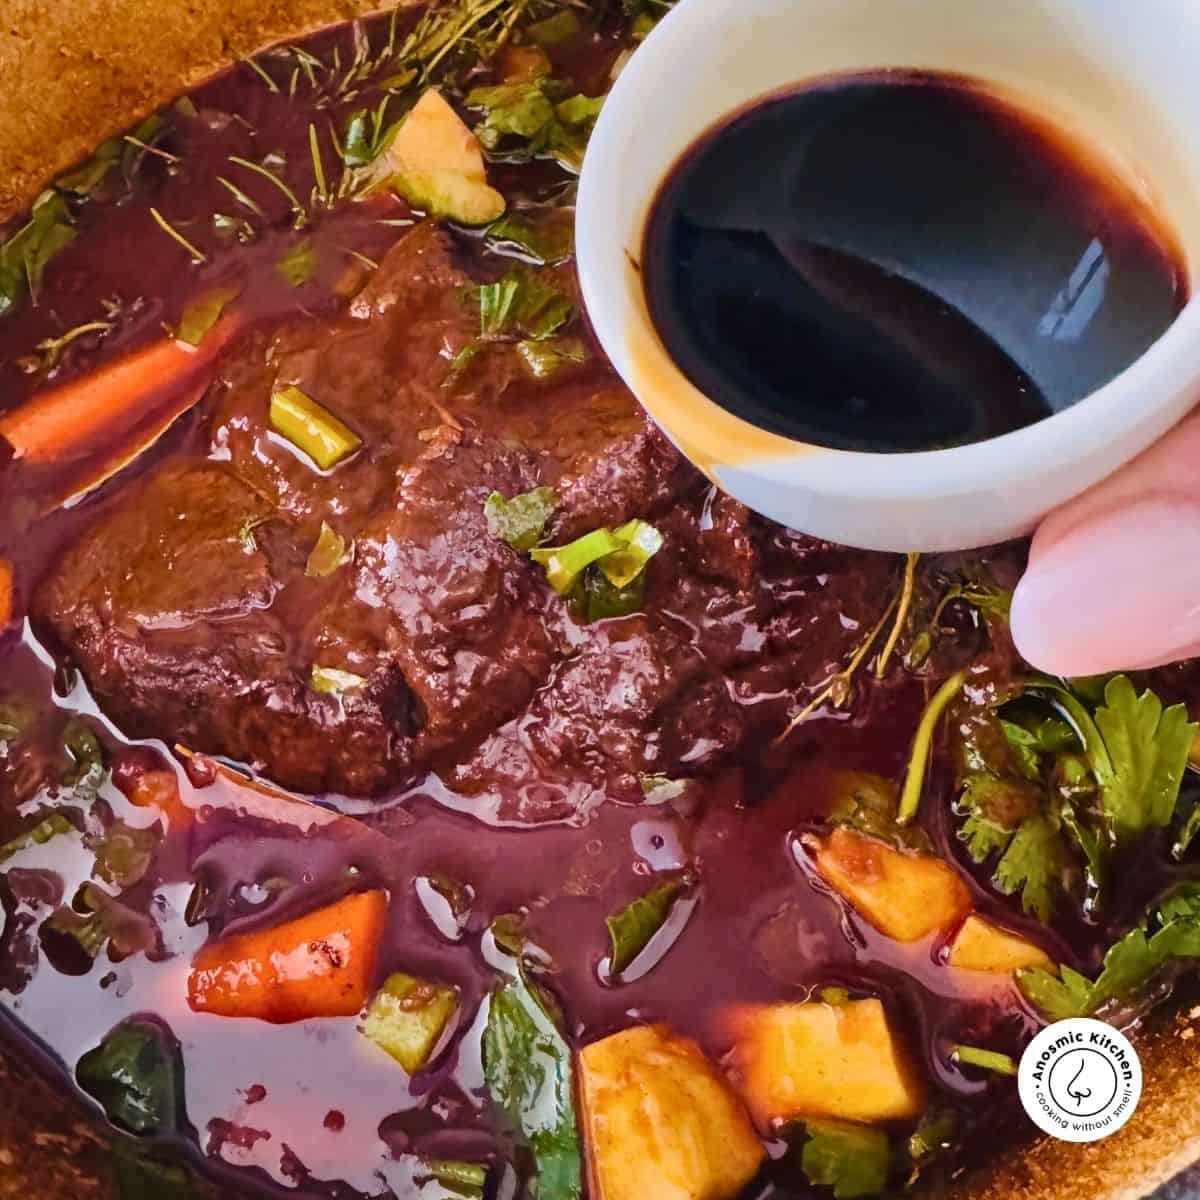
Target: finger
[(1114, 577)]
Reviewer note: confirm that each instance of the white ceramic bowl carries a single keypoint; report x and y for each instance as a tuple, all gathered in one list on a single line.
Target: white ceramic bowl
[(1121, 75)]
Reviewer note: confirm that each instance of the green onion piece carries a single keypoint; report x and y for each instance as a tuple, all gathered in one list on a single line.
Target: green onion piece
[(834, 996), (299, 264), (407, 1018), (461, 1176), (312, 428), (327, 554), (331, 681), (544, 359), (202, 314), (631, 929), (47, 828), (599, 600), (521, 520), (641, 542), (564, 564), (918, 759), (987, 1060), (555, 29)]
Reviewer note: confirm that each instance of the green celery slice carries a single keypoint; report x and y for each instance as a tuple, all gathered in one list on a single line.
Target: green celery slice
[(311, 427)]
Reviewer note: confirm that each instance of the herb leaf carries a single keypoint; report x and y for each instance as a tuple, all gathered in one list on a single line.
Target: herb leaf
[(136, 1076), (520, 521), (850, 1159), (299, 264), (985, 1060), (631, 930), (527, 1066)]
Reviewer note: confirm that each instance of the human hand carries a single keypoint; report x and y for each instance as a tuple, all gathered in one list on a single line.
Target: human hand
[(1114, 576)]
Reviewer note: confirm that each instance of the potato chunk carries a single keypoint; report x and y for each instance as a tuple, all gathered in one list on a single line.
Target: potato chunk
[(981, 946), (903, 894), (436, 163), (659, 1120), (821, 1060)]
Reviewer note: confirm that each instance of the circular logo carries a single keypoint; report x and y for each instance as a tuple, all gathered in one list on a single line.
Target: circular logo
[(1080, 1080)]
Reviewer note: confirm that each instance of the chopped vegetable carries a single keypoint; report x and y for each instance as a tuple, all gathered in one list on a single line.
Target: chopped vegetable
[(194, 252), (985, 1060), (527, 1066), (299, 264), (26, 254), (544, 359), (867, 804), (73, 417), (821, 1060), (333, 682), (520, 110), (328, 553), (934, 1134), (83, 748), (631, 929), (318, 965), (554, 29), (408, 1017), (311, 427), (521, 520), (464, 1178), (136, 1076), (981, 946), (521, 302), (547, 241), (48, 827), (435, 162), (595, 599), (1172, 931), (202, 314), (660, 1120), (6, 592), (579, 110), (918, 760), (89, 175), (905, 895), (124, 854), (850, 1159), (97, 920), (622, 555)]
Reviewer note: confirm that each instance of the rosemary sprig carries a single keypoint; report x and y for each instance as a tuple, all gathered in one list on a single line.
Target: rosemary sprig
[(197, 256), (300, 215), (241, 197), (321, 188), (148, 149), (272, 86)]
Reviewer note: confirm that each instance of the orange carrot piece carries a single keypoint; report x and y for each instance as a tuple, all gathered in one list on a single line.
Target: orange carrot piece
[(6, 592), (160, 789), (69, 418), (319, 965)]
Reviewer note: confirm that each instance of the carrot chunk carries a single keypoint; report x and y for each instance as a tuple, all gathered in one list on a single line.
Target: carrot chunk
[(72, 417), (319, 965), (6, 592)]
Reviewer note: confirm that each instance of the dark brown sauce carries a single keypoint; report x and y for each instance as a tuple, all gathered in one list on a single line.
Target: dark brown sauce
[(902, 262)]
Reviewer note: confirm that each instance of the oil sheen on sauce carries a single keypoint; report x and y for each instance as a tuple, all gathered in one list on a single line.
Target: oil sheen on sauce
[(902, 262)]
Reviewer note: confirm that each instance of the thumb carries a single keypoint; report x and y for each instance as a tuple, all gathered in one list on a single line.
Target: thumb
[(1113, 581)]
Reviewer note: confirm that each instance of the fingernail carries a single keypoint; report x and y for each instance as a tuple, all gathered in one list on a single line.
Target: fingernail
[(1120, 591)]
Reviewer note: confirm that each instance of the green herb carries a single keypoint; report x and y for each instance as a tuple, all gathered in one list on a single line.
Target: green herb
[(88, 176), (496, 302), (641, 542), (631, 929), (26, 254), (299, 215), (508, 932), (124, 854), (97, 920), (139, 1176), (197, 255), (972, 586), (331, 681), (272, 86), (186, 107), (48, 827), (312, 427), (1172, 931), (136, 1076), (527, 1066), (594, 598), (244, 200), (51, 349), (835, 996), (556, 28), (327, 554), (579, 110), (299, 264), (86, 755), (934, 1134), (521, 302), (904, 604), (463, 1177), (867, 804), (520, 110), (520, 521), (547, 241), (407, 1018), (850, 1159), (202, 314), (985, 1060), (918, 759)]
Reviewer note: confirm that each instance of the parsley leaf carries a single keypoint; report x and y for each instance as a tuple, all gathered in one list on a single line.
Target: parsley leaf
[(631, 930), (1173, 931), (527, 1066), (850, 1159)]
